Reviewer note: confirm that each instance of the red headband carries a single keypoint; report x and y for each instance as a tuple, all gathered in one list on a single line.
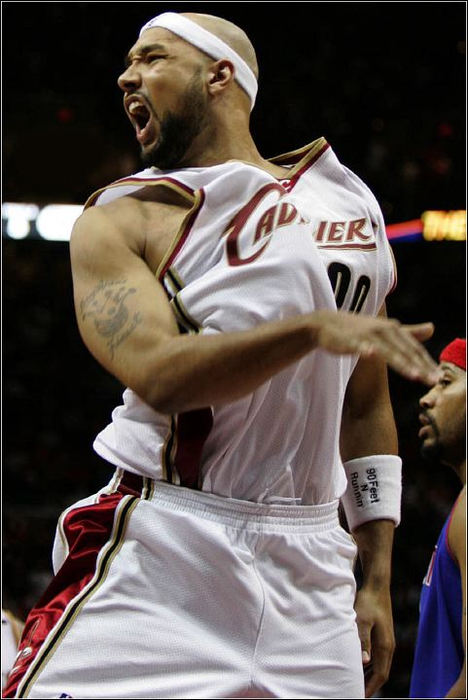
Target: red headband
[(455, 352)]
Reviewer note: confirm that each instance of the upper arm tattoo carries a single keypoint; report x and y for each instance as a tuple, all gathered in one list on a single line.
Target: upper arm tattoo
[(105, 306)]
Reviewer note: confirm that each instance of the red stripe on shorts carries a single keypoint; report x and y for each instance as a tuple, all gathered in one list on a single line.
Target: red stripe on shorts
[(87, 529)]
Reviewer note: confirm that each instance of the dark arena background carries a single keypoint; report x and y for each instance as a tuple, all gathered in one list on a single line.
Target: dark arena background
[(383, 82)]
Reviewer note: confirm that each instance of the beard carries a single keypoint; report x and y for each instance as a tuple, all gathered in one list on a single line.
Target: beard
[(178, 130), (432, 451)]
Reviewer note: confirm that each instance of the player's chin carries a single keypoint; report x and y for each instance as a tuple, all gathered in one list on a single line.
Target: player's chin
[(430, 449), (425, 444), (148, 152), (148, 138)]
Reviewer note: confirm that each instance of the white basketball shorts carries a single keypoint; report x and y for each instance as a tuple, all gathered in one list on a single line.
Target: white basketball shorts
[(165, 592)]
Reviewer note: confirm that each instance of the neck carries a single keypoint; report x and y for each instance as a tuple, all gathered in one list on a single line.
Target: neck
[(459, 467), (226, 140)]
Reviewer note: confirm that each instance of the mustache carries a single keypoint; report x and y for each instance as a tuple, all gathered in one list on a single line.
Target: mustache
[(430, 421)]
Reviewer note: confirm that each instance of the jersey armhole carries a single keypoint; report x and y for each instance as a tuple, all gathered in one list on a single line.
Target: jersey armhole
[(181, 235)]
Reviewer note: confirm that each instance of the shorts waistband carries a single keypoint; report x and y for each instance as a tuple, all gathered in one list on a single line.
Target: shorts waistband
[(231, 511)]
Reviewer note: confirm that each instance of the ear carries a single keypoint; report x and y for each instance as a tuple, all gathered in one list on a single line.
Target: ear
[(220, 75)]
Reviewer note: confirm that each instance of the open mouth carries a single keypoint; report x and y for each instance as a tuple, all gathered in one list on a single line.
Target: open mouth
[(142, 121), (426, 426)]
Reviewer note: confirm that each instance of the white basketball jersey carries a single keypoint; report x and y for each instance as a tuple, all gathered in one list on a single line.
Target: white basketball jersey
[(255, 249)]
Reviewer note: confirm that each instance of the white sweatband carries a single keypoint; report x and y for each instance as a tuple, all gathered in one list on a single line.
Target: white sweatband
[(208, 43), (374, 489)]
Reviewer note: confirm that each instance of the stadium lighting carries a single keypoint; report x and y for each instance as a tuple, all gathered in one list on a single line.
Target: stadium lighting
[(54, 222)]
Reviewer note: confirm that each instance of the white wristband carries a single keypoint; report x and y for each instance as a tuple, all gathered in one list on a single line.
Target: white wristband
[(374, 489)]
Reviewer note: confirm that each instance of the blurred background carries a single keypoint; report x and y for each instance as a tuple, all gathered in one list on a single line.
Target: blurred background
[(383, 82)]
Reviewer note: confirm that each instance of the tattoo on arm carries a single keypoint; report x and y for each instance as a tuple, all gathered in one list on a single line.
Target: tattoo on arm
[(105, 305)]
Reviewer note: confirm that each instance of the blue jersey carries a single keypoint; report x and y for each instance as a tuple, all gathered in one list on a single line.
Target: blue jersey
[(439, 653)]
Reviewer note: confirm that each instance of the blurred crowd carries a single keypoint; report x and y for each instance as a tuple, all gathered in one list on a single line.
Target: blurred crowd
[(383, 82)]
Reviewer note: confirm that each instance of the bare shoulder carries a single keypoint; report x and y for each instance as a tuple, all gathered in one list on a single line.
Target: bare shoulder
[(457, 529), (144, 223), (122, 216)]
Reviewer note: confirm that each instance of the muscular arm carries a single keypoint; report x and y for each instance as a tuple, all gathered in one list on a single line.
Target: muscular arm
[(457, 543), (127, 324), (368, 428)]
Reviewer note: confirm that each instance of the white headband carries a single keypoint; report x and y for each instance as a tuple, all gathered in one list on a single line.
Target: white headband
[(209, 44)]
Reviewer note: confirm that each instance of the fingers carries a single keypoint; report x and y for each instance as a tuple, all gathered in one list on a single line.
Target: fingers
[(372, 681), (364, 630), (400, 346), (421, 331), (414, 361), (377, 660), (377, 672), (373, 677)]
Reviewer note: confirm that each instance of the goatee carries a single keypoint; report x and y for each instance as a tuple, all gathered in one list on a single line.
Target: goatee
[(178, 130), (432, 451)]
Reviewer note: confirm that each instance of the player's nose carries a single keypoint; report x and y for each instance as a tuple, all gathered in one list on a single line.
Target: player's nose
[(427, 400), (130, 79)]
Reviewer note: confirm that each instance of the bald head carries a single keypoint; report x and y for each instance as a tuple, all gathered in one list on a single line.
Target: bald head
[(219, 39), (230, 33)]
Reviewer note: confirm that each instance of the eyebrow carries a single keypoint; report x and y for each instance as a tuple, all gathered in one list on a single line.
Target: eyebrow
[(143, 51), (450, 369)]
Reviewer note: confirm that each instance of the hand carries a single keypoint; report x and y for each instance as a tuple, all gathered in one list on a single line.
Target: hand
[(397, 344), (375, 626)]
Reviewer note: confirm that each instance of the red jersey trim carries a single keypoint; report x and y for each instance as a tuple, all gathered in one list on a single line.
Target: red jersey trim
[(94, 534), (314, 157), (182, 235), (301, 159), (297, 156), (164, 181), (347, 246)]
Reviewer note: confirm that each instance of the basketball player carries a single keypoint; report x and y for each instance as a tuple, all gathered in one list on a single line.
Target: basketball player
[(241, 302), (439, 668)]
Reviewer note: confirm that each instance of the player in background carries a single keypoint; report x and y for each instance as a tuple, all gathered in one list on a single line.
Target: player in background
[(439, 668)]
